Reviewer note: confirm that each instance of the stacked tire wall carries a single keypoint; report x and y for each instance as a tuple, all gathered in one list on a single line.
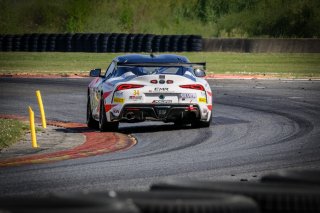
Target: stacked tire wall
[(100, 42)]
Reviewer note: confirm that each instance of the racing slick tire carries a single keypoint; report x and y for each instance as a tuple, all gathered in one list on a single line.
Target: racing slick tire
[(271, 197), (104, 125), (201, 124), (91, 123)]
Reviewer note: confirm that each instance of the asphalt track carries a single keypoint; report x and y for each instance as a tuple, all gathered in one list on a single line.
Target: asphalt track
[(258, 126)]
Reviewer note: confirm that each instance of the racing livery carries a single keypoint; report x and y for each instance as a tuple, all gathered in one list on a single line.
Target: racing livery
[(138, 87)]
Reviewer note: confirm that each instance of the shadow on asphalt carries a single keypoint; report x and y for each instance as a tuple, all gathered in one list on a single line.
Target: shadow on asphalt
[(155, 128)]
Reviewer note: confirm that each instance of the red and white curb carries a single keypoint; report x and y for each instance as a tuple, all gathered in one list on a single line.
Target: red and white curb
[(96, 143)]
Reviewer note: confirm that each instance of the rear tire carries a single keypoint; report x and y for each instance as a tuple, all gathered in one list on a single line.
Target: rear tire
[(91, 122), (104, 125), (202, 124)]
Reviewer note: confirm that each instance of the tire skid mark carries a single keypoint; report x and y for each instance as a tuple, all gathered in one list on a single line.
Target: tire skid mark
[(304, 126), (96, 143)]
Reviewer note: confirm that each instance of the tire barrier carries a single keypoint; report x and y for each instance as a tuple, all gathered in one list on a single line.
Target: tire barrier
[(100, 42)]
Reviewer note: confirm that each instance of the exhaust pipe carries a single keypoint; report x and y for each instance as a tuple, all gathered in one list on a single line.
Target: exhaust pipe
[(130, 116)]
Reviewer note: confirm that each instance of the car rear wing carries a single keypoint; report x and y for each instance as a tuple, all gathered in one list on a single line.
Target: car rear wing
[(152, 64)]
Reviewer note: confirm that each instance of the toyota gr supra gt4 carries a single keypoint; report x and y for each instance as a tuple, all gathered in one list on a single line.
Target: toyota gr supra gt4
[(137, 88)]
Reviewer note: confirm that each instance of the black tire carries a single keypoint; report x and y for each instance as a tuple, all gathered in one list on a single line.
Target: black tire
[(94, 42), (174, 41), (183, 43), (201, 124), (1, 42), (147, 43), (78, 40), (91, 122), (66, 203), (137, 47), (293, 177), (195, 43), (59, 43), (86, 43), (192, 202), (164, 43), (156, 43), (42, 43), (7, 43), (68, 42), (103, 42), (112, 42), (130, 42), (180, 123), (271, 197), (121, 42), (104, 125), (51, 43)]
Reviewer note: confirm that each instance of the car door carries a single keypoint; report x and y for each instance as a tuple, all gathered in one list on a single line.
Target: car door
[(99, 90)]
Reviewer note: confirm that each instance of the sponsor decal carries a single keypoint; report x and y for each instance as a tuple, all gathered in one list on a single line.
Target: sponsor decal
[(118, 100), (160, 89), (202, 100), (118, 94), (136, 92), (162, 101), (116, 111), (135, 98), (188, 95)]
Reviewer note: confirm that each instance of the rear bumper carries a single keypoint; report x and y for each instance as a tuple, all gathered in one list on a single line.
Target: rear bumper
[(165, 112)]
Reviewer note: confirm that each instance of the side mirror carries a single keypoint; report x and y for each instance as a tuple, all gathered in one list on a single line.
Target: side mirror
[(199, 72), (95, 73)]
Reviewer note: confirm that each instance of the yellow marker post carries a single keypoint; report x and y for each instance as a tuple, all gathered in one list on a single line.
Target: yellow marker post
[(32, 129), (43, 116)]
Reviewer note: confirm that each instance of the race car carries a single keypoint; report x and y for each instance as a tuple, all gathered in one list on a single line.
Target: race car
[(137, 87)]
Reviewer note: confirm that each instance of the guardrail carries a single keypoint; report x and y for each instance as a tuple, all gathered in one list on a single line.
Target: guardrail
[(260, 45), (100, 42)]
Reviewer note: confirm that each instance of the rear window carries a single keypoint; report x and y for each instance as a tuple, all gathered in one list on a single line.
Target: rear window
[(152, 70)]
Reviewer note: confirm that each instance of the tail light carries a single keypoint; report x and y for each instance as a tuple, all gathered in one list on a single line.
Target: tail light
[(128, 86), (193, 86)]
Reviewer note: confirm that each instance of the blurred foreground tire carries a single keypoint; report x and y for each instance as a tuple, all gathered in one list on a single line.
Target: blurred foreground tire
[(293, 177), (275, 198), (190, 202), (66, 204)]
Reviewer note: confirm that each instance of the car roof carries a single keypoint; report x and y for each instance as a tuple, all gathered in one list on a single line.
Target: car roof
[(141, 58)]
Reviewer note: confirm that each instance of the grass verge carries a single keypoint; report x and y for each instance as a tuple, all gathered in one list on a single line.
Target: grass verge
[(11, 131), (270, 64)]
